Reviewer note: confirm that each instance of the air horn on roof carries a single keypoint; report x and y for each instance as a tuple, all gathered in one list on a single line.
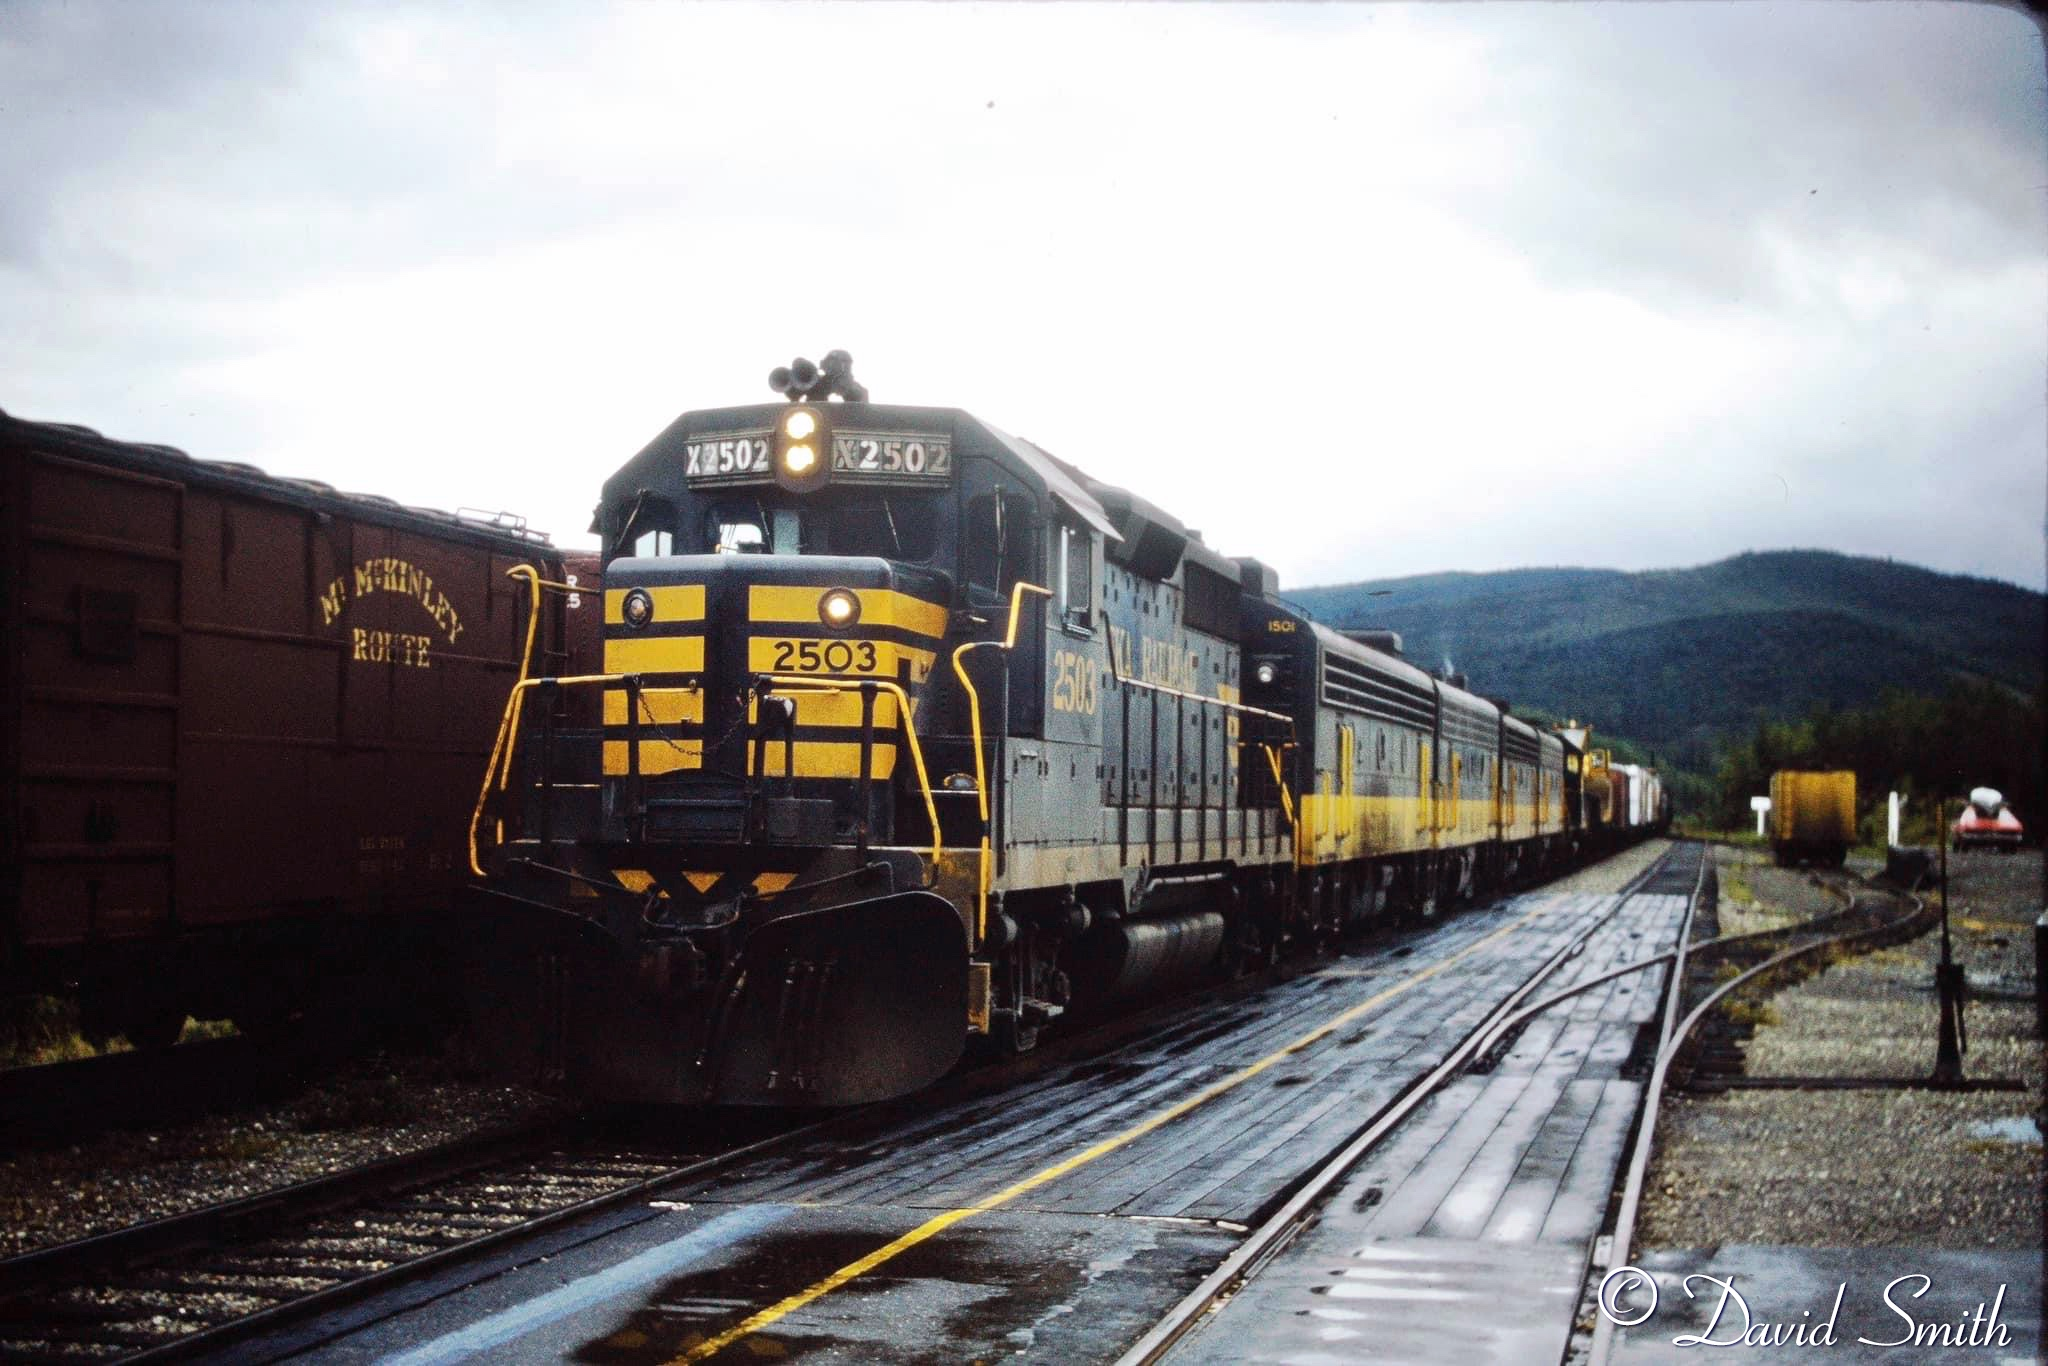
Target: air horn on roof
[(802, 382)]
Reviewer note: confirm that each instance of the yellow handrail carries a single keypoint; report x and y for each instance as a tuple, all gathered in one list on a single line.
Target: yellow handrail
[(1286, 797), (534, 584), (811, 683), (1008, 642)]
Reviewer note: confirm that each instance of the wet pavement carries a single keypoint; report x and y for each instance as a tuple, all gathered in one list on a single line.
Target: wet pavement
[(1466, 1234), (1055, 1221)]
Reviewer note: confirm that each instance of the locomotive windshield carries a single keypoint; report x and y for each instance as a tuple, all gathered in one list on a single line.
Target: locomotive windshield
[(892, 526)]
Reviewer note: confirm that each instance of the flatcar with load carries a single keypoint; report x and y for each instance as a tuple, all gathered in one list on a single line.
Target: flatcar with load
[(242, 721), (912, 732)]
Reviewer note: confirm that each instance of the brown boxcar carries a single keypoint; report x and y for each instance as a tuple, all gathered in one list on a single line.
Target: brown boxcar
[(244, 719)]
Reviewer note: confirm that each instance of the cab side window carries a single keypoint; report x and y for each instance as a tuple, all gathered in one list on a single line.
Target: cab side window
[(997, 542), (646, 527), (1076, 587)]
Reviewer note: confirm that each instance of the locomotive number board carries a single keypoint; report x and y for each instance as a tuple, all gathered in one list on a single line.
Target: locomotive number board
[(891, 457), (727, 458)]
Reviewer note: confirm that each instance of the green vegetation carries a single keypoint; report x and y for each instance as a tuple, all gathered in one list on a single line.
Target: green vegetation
[(1688, 663), (1974, 735)]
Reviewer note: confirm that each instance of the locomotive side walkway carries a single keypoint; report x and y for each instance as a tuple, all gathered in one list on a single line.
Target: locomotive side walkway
[(1055, 1221), (1466, 1235)]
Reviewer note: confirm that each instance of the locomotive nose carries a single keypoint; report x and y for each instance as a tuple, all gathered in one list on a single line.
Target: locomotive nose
[(748, 714)]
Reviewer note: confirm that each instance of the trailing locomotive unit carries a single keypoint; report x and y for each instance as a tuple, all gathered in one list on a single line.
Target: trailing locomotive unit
[(909, 730), (1412, 791), (913, 731)]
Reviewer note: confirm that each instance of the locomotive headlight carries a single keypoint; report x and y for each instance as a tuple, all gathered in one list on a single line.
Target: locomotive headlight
[(637, 609), (1266, 673), (801, 434), (839, 607)]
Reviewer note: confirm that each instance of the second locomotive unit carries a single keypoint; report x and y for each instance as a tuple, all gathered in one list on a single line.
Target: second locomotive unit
[(908, 731)]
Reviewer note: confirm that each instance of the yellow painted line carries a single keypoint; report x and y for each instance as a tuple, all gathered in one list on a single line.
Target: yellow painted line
[(878, 607), (675, 602), (654, 655), (939, 1223)]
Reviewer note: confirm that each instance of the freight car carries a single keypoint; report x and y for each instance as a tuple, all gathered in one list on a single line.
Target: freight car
[(242, 721), (1813, 816), (912, 731)]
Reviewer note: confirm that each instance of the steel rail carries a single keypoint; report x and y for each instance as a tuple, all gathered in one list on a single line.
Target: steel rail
[(1528, 1013), (1274, 1233), (241, 1329), (1639, 1162), (195, 1227)]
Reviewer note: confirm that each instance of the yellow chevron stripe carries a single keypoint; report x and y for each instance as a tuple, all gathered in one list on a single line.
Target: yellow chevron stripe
[(674, 602), (878, 607), (654, 655)]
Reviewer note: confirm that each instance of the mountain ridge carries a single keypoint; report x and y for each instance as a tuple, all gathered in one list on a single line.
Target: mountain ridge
[(1681, 659)]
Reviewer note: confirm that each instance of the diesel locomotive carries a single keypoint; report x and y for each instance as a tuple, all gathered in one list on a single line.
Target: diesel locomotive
[(908, 731)]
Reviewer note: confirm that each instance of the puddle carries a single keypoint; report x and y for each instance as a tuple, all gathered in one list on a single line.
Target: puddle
[(2011, 1129)]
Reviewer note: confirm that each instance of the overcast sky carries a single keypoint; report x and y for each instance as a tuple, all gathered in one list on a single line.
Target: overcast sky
[(1363, 290)]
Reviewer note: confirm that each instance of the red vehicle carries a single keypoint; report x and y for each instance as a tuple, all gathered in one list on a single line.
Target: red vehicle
[(1987, 823)]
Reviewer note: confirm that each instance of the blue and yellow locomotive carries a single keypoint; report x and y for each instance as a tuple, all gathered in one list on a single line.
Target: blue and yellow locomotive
[(906, 731)]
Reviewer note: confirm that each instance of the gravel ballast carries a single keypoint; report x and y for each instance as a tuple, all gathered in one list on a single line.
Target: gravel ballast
[(366, 1111), (1874, 1167)]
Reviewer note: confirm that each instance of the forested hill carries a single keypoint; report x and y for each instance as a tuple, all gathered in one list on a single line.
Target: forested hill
[(1677, 658)]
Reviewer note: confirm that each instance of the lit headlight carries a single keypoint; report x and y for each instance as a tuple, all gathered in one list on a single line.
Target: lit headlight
[(839, 607), (637, 609), (1266, 673), (801, 434)]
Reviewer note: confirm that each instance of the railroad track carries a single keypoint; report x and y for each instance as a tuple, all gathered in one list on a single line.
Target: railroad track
[(1681, 871), (202, 1281), (1712, 1059), (1869, 919)]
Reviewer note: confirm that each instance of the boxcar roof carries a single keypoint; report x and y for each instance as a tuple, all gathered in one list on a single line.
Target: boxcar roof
[(83, 443)]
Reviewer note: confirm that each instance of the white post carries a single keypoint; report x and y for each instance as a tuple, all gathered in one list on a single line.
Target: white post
[(1759, 824), (1760, 805), (1891, 820)]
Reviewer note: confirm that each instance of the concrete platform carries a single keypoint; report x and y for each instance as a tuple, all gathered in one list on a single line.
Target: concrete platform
[(1465, 1236), (1055, 1221)]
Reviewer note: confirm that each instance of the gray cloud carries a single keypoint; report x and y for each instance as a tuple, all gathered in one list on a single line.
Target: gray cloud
[(1579, 260)]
